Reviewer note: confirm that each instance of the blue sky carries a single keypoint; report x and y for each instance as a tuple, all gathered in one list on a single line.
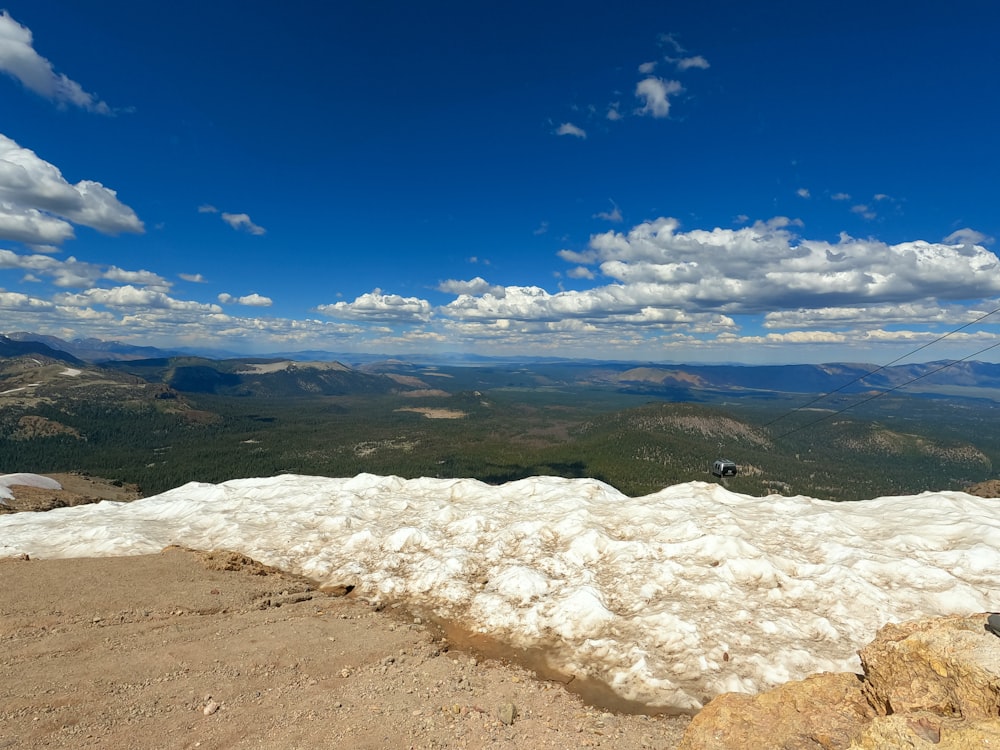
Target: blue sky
[(698, 182)]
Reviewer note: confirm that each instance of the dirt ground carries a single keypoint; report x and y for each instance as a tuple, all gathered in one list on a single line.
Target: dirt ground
[(77, 489), (212, 650)]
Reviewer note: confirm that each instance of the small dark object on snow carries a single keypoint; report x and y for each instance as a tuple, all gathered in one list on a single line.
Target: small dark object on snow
[(993, 624)]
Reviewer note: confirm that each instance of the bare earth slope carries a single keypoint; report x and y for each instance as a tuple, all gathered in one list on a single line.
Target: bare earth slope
[(213, 650), (77, 489)]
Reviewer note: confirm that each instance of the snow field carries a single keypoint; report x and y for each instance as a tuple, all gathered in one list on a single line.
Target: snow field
[(668, 599)]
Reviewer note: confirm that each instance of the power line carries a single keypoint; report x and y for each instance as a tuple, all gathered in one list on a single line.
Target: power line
[(887, 365), (888, 391)]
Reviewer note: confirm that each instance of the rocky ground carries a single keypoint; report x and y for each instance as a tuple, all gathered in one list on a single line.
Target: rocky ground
[(212, 650), (77, 489)]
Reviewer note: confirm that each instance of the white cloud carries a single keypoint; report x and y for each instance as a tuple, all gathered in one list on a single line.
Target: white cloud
[(30, 226), (75, 273), (968, 236), (207, 208), (614, 214), (802, 192), (250, 300), (580, 272), (477, 285), (132, 297), (242, 221), (378, 307), (655, 92), (540, 229), (17, 301), (64, 273), (686, 63), (46, 249), (613, 113), (864, 317), (38, 205), (195, 278), (864, 211), (568, 128), (765, 267), (841, 196), (19, 60), (146, 278), (647, 67)]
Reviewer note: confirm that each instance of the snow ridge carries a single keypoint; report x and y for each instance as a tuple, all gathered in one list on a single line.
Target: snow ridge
[(668, 599)]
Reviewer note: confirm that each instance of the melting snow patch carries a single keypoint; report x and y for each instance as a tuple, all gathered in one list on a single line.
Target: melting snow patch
[(667, 598), (28, 480)]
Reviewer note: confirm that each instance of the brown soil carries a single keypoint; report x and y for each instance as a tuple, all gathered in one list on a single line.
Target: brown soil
[(989, 488), (77, 489), (214, 650)]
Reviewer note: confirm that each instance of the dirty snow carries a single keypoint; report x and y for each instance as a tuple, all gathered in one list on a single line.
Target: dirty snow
[(668, 599)]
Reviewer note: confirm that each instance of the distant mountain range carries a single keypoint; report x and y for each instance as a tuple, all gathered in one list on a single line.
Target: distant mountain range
[(321, 373)]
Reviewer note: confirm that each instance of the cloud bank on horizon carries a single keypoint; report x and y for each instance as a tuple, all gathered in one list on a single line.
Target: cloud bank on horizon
[(427, 215)]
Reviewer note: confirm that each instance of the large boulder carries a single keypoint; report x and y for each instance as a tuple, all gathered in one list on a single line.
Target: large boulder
[(821, 712), (948, 666), (930, 683)]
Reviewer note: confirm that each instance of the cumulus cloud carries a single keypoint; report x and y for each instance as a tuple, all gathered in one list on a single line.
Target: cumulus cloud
[(71, 272), (568, 128), (129, 296), (477, 285), (242, 221), (195, 278), (841, 196), (250, 300), (17, 301), (647, 67), (20, 61), (697, 61), (802, 192), (613, 112), (146, 278), (655, 93), (30, 226), (765, 267), (63, 273), (375, 306), (38, 205)]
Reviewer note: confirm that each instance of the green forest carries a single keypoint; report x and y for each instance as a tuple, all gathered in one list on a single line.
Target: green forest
[(636, 442)]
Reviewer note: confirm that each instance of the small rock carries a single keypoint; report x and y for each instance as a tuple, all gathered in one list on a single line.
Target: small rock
[(507, 713), (210, 708)]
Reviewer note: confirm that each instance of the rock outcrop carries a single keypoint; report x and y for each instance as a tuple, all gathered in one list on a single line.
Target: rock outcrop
[(931, 683)]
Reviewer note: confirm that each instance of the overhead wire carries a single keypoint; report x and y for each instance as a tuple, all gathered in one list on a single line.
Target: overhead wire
[(885, 366), (887, 391)]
